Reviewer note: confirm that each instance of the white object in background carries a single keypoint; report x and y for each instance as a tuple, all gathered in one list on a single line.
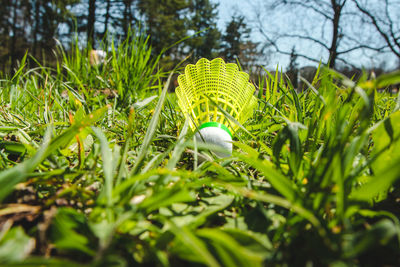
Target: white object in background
[(97, 57)]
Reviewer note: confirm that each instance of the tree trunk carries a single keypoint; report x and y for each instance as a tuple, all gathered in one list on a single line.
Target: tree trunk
[(14, 37), (127, 16), (91, 21), (107, 18), (37, 25), (337, 9)]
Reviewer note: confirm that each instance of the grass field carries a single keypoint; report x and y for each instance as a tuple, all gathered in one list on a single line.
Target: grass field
[(98, 167)]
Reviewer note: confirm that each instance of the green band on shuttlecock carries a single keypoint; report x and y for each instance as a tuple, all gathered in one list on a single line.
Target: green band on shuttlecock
[(215, 124)]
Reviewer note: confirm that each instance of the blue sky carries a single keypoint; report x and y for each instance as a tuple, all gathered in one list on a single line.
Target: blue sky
[(228, 8), (284, 20)]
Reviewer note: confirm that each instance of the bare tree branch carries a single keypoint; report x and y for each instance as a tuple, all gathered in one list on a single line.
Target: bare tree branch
[(390, 22), (336, 15), (377, 49), (306, 6), (385, 36), (278, 50), (346, 62), (309, 38)]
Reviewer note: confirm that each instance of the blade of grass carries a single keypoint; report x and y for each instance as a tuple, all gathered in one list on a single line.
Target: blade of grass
[(151, 129), (189, 239), (107, 165)]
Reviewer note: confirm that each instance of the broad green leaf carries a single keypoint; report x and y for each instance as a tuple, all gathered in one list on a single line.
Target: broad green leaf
[(229, 251), (15, 245), (191, 247), (378, 235), (255, 242), (385, 80), (269, 198), (70, 232), (280, 182), (144, 102), (378, 184), (386, 139), (195, 216), (13, 147), (42, 261), (167, 197)]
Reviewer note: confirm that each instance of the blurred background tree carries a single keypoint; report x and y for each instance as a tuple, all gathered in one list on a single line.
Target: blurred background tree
[(331, 31), (31, 26), (203, 21), (293, 68), (165, 22), (235, 34)]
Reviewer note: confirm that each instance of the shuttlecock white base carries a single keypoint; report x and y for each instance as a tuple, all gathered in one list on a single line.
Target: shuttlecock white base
[(216, 134)]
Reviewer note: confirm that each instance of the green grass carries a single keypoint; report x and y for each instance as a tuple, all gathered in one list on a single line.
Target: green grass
[(98, 169)]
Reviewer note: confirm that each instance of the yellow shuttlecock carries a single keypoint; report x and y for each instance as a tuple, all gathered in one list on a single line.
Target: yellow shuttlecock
[(206, 88)]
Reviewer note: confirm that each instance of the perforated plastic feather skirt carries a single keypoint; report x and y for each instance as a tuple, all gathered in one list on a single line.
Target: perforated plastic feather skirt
[(209, 86)]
